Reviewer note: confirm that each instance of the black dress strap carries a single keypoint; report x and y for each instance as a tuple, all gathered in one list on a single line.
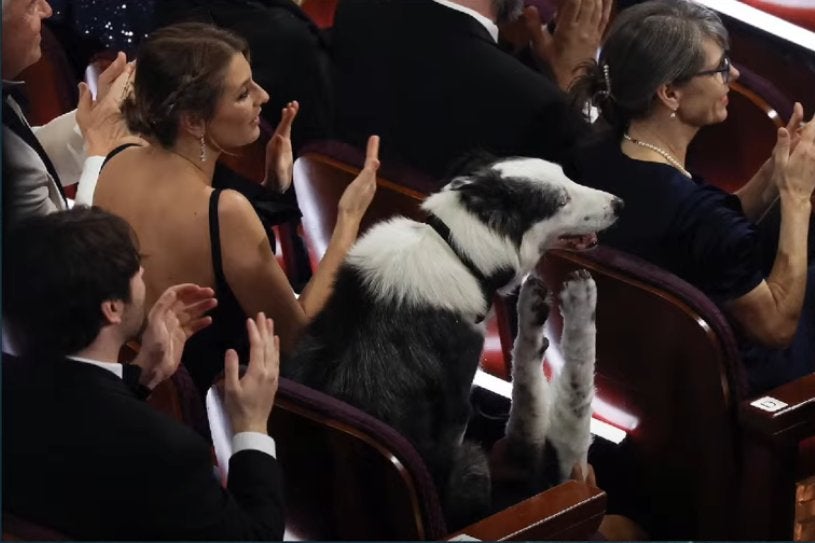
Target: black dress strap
[(215, 242), (116, 151)]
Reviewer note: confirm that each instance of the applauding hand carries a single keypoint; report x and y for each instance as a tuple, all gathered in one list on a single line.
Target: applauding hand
[(100, 120), (279, 155), (359, 194), (176, 315), (579, 29), (248, 400)]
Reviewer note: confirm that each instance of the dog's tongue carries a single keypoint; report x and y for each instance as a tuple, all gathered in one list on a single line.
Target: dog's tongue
[(578, 243)]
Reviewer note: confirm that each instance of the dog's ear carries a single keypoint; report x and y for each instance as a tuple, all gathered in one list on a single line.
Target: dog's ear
[(469, 162)]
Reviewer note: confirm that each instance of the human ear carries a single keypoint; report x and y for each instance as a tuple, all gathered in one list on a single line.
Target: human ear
[(669, 95), (193, 125), (113, 311)]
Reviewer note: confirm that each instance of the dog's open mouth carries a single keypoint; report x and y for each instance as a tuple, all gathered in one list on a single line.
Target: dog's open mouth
[(578, 242)]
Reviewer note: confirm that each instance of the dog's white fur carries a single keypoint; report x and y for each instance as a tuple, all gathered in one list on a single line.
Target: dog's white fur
[(559, 412), (394, 256), (404, 265)]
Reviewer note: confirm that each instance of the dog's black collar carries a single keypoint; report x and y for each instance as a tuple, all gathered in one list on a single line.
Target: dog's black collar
[(489, 284)]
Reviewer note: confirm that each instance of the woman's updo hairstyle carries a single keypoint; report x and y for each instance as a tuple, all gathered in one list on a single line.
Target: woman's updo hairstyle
[(649, 44), (179, 68)]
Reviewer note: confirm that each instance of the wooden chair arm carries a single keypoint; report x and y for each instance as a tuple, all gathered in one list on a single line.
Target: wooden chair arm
[(786, 424), (571, 510)]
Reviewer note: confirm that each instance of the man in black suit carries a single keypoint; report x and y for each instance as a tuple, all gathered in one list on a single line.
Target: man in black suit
[(429, 77), (82, 453)]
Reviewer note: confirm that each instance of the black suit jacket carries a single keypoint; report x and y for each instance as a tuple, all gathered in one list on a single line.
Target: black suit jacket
[(84, 456), (431, 81)]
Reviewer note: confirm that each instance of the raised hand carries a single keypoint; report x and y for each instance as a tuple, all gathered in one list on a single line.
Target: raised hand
[(248, 400), (177, 314), (796, 124), (359, 194), (576, 38), (109, 77), (100, 120), (279, 155), (794, 169)]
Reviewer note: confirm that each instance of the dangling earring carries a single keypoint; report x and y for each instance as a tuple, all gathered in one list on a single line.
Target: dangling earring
[(673, 115), (203, 155)]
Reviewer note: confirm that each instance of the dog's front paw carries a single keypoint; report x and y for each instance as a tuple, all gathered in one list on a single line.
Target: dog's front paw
[(533, 308), (578, 299)]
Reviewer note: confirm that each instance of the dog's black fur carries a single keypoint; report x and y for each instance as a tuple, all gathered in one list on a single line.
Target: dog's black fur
[(411, 363)]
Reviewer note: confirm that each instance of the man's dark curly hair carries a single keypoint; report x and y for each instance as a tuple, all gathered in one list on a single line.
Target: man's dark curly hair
[(58, 270)]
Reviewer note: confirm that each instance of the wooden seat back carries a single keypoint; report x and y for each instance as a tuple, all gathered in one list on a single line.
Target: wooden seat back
[(320, 180), (668, 373), (350, 476), (700, 459)]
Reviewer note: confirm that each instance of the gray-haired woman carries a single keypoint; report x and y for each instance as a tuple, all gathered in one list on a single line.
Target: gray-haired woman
[(663, 74)]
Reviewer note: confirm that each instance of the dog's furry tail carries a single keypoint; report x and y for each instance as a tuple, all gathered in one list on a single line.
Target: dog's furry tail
[(468, 490)]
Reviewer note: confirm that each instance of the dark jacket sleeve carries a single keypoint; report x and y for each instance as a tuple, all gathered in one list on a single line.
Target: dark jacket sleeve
[(188, 502), (254, 475)]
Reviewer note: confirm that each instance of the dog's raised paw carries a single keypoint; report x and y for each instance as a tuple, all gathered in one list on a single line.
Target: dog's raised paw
[(533, 308), (578, 299)]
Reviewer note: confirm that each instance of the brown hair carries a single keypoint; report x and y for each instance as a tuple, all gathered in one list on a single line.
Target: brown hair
[(649, 44), (179, 68)]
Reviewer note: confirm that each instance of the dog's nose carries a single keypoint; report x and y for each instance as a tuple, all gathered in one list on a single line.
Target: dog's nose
[(617, 205)]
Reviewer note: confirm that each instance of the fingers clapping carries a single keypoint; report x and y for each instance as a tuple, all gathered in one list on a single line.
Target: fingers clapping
[(249, 399), (359, 194), (279, 155)]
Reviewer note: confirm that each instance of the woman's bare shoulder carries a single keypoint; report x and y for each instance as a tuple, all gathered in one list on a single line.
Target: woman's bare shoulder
[(237, 214), (121, 162)]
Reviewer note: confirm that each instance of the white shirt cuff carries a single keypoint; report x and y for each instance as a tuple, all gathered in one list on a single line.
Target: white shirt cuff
[(253, 441), (88, 179)]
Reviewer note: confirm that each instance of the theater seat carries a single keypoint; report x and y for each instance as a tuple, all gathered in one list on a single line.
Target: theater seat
[(351, 476), (320, 177), (699, 460)]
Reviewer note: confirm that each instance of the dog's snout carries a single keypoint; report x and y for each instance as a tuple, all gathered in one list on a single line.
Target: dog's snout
[(617, 205)]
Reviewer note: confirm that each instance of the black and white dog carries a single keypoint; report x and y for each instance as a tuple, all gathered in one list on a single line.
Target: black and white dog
[(401, 336)]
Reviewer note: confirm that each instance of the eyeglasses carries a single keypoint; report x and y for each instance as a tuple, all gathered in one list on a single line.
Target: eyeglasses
[(724, 69)]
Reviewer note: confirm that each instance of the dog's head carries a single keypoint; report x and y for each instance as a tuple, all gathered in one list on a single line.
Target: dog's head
[(528, 202)]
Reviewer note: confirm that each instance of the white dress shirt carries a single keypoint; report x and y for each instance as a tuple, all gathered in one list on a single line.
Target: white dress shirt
[(34, 191), (488, 23), (240, 441)]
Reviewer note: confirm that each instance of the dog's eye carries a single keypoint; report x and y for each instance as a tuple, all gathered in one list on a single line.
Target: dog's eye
[(457, 183), (564, 199)]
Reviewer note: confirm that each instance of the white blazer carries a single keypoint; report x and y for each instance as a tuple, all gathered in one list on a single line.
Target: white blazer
[(30, 189)]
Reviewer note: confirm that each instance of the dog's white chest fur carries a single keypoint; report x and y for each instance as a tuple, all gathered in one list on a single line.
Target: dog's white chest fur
[(406, 262)]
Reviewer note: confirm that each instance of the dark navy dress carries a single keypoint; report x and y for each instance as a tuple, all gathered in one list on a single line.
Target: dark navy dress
[(700, 233)]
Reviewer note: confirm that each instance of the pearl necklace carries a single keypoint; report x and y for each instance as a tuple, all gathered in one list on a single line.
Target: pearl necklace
[(660, 151)]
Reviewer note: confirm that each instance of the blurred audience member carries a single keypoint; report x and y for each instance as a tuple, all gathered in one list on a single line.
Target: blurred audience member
[(82, 453), (430, 78), (191, 107), (663, 74)]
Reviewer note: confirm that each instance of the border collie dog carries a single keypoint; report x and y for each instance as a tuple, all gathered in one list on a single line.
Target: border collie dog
[(402, 334)]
